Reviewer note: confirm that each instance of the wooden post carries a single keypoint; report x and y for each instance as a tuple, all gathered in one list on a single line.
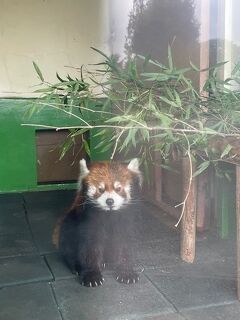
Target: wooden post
[(238, 227), (158, 177), (188, 232)]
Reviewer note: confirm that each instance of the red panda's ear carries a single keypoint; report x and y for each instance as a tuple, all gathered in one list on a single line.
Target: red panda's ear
[(83, 168), (134, 165), (83, 172)]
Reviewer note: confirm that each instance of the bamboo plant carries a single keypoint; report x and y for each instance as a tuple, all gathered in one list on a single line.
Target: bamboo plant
[(146, 107)]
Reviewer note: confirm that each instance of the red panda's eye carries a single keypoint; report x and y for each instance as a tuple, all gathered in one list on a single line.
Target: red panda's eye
[(101, 189), (118, 189)]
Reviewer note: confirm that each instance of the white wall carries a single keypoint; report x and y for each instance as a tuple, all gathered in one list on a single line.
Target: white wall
[(53, 33)]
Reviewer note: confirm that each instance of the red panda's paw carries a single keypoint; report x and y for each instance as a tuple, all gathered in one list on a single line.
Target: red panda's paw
[(127, 277), (92, 279)]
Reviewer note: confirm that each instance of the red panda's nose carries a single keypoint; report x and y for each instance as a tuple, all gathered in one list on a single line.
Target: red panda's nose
[(109, 202)]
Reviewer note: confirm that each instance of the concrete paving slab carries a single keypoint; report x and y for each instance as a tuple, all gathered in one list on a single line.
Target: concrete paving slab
[(157, 254), (215, 249), (17, 245), (42, 226), (42, 236), (23, 269), (57, 267), (206, 269), (12, 214), (43, 210), (192, 292), (12, 199), (28, 302), (225, 312), (39, 201), (13, 220), (171, 316), (112, 301), (150, 228)]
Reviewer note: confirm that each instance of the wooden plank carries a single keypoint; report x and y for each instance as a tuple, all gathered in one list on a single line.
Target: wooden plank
[(165, 207), (238, 227), (188, 223), (203, 201)]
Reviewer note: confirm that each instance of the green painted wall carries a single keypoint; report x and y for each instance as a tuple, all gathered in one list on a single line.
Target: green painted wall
[(18, 170)]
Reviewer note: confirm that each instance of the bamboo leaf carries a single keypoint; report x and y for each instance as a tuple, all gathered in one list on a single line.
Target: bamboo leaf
[(65, 147), (100, 52), (226, 151), (170, 59), (171, 103), (39, 73), (86, 147), (202, 167), (59, 78)]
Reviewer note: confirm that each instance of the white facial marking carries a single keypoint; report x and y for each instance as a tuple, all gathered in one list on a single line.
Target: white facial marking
[(117, 184), (118, 201), (91, 191), (127, 190)]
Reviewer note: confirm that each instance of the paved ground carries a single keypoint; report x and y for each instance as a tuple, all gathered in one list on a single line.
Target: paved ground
[(35, 285)]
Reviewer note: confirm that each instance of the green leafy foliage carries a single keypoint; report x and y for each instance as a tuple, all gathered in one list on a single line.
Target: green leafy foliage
[(150, 107)]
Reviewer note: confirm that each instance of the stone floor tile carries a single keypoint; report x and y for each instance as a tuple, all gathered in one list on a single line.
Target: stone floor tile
[(112, 301), (171, 316), (13, 221), (186, 291), (55, 200), (225, 269), (23, 269), (11, 199), (28, 302), (16, 245), (42, 226), (149, 228), (57, 267), (12, 214), (43, 239), (43, 211), (224, 312), (157, 254)]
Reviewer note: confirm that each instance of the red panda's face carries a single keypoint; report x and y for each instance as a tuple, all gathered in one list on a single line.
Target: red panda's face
[(108, 184)]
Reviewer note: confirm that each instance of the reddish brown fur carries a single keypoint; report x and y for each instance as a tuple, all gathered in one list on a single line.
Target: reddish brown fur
[(79, 199), (106, 172), (109, 173)]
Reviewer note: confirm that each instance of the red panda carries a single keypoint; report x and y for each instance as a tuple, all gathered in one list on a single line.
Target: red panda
[(98, 227)]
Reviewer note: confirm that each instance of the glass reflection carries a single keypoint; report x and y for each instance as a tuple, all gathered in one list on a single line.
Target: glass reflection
[(147, 27)]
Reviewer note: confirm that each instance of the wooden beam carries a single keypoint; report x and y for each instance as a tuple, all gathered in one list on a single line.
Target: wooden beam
[(238, 227), (158, 177), (188, 224), (165, 207)]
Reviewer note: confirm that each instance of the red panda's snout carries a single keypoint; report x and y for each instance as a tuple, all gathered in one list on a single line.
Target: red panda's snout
[(108, 184), (108, 196)]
